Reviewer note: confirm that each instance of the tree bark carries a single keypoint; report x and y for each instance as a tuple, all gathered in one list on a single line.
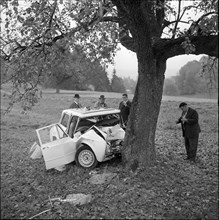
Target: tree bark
[(139, 143)]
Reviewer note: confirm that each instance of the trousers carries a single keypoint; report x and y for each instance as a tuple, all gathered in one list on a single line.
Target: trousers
[(191, 144)]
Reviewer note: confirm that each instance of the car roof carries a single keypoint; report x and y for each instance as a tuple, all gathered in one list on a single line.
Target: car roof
[(84, 113)]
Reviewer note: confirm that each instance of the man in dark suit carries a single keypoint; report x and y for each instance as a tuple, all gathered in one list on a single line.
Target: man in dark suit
[(124, 107), (190, 130), (76, 103)]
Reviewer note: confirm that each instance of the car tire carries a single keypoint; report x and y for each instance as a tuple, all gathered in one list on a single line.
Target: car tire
[(85, 157)]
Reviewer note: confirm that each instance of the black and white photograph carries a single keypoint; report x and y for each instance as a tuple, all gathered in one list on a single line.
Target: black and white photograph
[(109, 109)]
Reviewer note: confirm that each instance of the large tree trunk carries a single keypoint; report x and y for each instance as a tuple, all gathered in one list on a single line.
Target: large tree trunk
[(139, 144)]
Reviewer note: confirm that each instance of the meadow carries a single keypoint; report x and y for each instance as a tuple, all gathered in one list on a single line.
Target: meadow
[(171, 189)]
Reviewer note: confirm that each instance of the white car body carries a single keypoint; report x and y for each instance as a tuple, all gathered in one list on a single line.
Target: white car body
[(59, 143)]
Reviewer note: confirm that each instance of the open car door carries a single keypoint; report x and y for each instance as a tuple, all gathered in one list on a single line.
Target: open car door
[(57, 147)]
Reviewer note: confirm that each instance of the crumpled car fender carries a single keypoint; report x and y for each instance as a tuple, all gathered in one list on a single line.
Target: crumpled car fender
[(96, 142)]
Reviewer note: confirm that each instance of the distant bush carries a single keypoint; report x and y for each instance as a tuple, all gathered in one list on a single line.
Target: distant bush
[(170, 88), (196, 77)]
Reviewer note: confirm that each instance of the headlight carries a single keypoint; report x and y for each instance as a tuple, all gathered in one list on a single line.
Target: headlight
[(108, 149)]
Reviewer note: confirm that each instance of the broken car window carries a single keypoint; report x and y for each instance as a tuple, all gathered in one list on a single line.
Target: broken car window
[(51, 133), (65, 119)]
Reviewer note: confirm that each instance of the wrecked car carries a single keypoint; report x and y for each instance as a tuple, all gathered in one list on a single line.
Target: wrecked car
[(84, 136)]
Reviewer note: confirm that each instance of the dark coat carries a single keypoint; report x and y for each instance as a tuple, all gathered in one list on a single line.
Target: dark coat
[(74, 105), (125, 110), (190, 128)]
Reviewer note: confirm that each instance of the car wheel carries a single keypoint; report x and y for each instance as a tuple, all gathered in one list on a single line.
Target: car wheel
[(85, 157)]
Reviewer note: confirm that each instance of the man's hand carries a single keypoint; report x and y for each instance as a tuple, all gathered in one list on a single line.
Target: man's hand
[(184, 120)]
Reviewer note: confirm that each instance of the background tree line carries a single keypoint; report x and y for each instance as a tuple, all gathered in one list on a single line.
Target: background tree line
[(74, 71), (196, 77)]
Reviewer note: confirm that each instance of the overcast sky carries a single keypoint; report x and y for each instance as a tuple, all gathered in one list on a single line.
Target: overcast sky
[(126, 64)]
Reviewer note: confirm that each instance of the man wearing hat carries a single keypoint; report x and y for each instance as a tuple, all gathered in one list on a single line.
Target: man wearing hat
[(76, 103), (101, 103), (190, 130)]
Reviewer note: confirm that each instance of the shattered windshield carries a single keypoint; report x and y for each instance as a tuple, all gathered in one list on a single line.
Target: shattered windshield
[(85, 123), (102, 120)]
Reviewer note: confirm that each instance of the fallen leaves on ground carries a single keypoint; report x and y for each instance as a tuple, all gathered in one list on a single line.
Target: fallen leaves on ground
[(171, 189)]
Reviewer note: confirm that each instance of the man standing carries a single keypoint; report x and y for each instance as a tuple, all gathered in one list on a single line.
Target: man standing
[(190, 130), (101, 103), (76, 103), (124, 107)]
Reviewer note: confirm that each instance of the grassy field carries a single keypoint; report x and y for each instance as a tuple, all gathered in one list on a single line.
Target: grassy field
[(172, 189)]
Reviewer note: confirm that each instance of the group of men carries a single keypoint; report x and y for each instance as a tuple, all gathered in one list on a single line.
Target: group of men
[(124, 106), (188, 120)]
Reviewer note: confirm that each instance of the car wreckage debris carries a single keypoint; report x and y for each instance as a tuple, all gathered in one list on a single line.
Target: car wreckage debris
[(75, 199), (35, 151), (84, 136)]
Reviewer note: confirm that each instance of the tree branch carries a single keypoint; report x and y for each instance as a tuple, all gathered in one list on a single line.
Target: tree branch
[(121, 6), (127, 41), (177, 20), (167, 48), (172, 22), (167, 23), (160, 12), (52, 14), (110, 18), (195, 24), (82, 25)]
